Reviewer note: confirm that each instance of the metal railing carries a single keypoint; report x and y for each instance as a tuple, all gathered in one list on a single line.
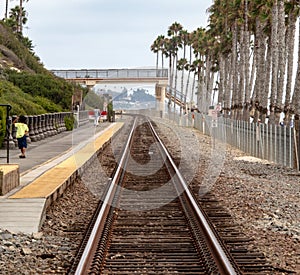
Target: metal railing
[(277, 144), (8, 137), (274, 143), (111, 73)]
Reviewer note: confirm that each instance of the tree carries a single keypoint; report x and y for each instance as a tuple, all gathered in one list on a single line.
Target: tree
[(14, 19), (17, 17), (295, 105), (292, 8), (6, 9), (155, 48), (21, 16), (173, 32), (249, 49)]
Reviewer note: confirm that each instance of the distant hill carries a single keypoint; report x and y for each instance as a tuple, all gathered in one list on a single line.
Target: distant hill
[(102, 92), (137, 99), (139, 95)]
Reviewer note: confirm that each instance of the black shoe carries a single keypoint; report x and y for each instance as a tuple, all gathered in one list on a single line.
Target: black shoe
[(22, 157)]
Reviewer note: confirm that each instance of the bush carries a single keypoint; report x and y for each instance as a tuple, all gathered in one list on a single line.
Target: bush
[(69, 122), (47, 104), (19, 46), (20, 102), (55, 89)]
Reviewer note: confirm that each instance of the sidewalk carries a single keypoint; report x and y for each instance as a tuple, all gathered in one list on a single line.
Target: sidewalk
[(44, 150), (26, 214)]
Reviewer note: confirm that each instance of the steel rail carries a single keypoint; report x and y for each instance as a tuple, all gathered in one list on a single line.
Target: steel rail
[(108, 198), (225, 263)]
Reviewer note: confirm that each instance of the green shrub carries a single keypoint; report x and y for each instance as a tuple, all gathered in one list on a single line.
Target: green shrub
[(19, 45), (20, 102), (69, 122), (47, 104), (55, 89)]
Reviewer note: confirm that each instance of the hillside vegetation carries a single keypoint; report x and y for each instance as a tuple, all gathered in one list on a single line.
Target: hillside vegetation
[(24, 82)]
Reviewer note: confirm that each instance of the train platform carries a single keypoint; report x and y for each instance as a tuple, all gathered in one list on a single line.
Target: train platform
[(48, 169)]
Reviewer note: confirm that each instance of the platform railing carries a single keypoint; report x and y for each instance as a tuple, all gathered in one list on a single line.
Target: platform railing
[(111, 73), (40, 127)]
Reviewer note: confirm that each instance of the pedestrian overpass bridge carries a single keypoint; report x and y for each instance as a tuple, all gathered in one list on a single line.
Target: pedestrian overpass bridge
[(92, 77)]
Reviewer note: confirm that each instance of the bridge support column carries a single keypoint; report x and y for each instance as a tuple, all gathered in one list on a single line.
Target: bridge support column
[(160, 93)]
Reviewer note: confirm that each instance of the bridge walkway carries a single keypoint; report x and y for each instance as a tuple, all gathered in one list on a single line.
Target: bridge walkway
[(49, 167)]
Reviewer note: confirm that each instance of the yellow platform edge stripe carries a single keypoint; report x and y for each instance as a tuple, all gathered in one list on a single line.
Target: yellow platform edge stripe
[(45, 185)]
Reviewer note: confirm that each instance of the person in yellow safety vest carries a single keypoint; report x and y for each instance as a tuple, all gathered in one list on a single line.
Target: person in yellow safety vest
[(22, 133)]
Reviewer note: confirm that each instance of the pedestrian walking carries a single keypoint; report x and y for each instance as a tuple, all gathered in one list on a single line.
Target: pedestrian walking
[(22, 133), (96, 117)]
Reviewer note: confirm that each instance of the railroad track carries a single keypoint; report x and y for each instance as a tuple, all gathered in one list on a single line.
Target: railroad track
[(149, 222)]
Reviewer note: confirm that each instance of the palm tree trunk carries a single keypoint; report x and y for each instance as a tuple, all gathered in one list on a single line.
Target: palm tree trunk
[(242, 64), (193, 88), (290, 40), (20, 17), (222, 76), (246, 67), (188, 77), (266, 85), (170, 82), (228, 85), (282, 59), (182, 77), (235, 74), (275, 61), (295, 105), (259, 92), (175, 81), (209, 82), (6, 10)]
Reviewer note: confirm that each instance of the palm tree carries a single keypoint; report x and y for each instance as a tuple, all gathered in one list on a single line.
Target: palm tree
[(17, 18), (173, 33), (227, 50), (21, 16), (184, 37), (199, 62), (158, 46), (181, 65), (260, 22), (295, 104), (168, 52), (292, 9), (155, 48), (161, 41), (6, 9), (188, 65), (220, 22), (275, 60), (281, 60)]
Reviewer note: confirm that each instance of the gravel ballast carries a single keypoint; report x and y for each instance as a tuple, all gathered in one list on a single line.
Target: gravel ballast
[(260, 196)]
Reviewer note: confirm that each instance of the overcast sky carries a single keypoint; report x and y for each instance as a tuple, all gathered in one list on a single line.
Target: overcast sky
[(104, 34)]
